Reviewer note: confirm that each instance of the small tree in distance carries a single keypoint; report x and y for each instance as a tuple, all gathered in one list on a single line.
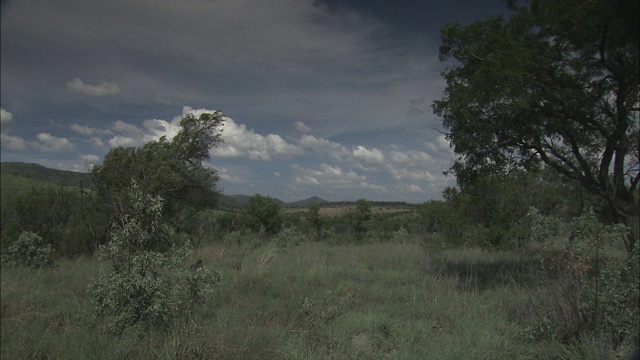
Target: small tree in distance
[(313, 216), (264, 214), (361, 217)]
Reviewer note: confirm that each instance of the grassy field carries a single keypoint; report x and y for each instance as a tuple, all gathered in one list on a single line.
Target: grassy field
[(312, 301), (13, 185)]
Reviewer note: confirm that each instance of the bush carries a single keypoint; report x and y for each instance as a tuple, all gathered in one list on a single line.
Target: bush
[(590, 289), (264, 215), (542, 227), (60, 215), (147, 285), (290, 237), (29, 250)]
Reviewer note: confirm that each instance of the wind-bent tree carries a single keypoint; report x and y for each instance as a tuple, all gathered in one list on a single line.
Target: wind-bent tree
[(556, 83), (172, 169)]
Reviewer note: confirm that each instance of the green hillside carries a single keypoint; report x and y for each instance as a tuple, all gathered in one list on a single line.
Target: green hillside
[(44, 174), (17, 178), (13, 185)]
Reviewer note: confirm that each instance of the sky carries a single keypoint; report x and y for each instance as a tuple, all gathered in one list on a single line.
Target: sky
[(328, 98)]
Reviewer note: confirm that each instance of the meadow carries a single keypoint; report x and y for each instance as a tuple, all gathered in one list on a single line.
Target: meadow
[(479, 276), (304, 300)]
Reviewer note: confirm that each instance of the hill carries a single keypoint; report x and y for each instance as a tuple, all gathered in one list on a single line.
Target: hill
[(243, 201), (307, 202), (45, 174)]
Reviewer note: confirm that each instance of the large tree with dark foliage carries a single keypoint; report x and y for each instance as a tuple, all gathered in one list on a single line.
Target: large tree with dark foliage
[(557, 83), (172, 169)]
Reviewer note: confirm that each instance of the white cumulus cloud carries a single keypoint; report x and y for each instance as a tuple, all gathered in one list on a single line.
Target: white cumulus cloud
[(102, 89), (307, 180), (48, 143), (88, 130), (333, 177), (124, 141), (414, 188), (239, 141), (373, 156), (324, 147), (90, 158), (301, 127), (226, 175), (5, 117), (441, 144), (12, 142)]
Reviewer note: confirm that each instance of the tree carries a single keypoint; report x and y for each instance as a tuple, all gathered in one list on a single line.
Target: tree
[(313, 216), (264, 214), (172, 169), (361, 217), (54, 213), (557, 84)]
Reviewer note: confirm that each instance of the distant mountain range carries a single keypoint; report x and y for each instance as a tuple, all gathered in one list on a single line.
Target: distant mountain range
[(243, 200), (307, 202), (72, 178)]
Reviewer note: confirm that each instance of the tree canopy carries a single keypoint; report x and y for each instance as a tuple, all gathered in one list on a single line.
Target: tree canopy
[(556, 83), (264, 214), (172, 169)]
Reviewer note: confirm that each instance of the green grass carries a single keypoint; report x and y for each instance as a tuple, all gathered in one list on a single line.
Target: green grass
[(12, 185), (313, 301)]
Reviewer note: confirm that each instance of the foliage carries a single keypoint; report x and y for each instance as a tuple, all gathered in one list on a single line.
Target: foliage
[(491, 211), (313, 216), (148, 283), (12, 186), (57, 214), (29, 250), (542, 227), (591, 290), (361, 217), (290, 236), (556, 84), (174, 169), (264, 214), (400, 236)]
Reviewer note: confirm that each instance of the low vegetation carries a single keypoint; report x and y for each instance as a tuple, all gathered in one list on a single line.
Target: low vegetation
[(374, 284)]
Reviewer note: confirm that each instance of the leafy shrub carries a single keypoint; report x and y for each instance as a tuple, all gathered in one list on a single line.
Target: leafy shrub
[(148, 283), (290, 236), (59, 214), (28, 250), (264, 215), (541, 226), (361, 219), (233, 238), (400, 236), (590, 289)]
